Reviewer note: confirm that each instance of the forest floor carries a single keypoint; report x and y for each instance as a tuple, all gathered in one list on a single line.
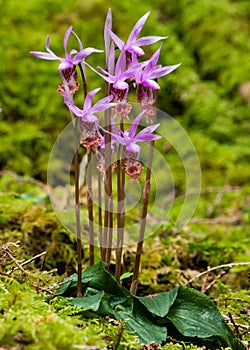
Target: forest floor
[(211, 255)]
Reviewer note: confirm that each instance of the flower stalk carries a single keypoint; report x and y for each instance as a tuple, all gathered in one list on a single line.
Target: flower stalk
[(100, 217), (120, 209), (90, 210), (108, 214), (145, 202), (144, 212), (89, 183), (77, 213)]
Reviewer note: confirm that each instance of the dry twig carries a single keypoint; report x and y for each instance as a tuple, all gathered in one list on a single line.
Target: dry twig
[(216, 268), (207, 287), (26, 262)]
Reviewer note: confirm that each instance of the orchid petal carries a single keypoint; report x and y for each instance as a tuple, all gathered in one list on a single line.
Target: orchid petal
[(133, 148), (155, 57), (121, 85), (114, 126), (88, 99), (44, 55), (160, 72), (111, 59), (68, 61), (134, 61), (47, 43), (65, 64), (72, 52), (66, 38), (79, 41), (120, 64), (151, 84), (148, 40), (135, 49), (117, 40), (148, 137), (102, 70), (103, 104), (107, 28), (137, 28), (101, 107), (47, 46), (77, 111), (149, 129), (50, 51), (134, 125), (131, 72), (89, 118), (117, 137), (110, 79), (149, 67), (84, 53)]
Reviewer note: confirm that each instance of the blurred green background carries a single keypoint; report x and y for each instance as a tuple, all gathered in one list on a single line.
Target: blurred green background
[(209, 94)]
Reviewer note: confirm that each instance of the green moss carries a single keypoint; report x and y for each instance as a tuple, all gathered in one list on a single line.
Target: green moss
[(203, 92), (23, 218), (27, 318), (235, 307)]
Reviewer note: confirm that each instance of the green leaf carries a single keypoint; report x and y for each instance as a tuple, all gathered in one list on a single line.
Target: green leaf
[(95, 277), (69, 286), (103, 280), (183, 313), (91, 302), (195, 315), (160, 304), (126, 275), (140, 320)]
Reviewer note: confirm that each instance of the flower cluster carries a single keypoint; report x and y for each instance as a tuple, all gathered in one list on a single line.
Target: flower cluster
[(121, 74)]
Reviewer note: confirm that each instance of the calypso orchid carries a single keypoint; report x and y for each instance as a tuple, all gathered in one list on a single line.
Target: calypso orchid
[(115, 148), (88, 112), (67, 67), (133, 45), (152, 71), (130, 163), (146, 80), (120, 75), (90, 136), (129, 138), (119, 87), (107, 42), (72, 58)]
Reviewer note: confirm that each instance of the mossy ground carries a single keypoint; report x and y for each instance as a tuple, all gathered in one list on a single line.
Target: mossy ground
[(29, 321)]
